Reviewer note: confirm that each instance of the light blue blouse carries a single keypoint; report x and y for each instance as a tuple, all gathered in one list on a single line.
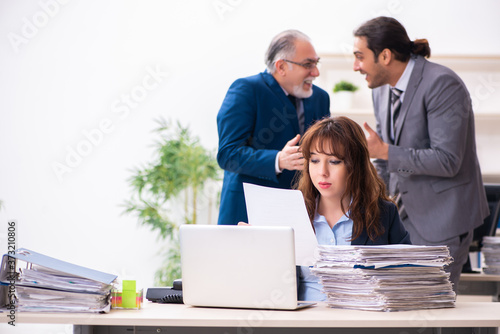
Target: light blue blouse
[(309, 287)]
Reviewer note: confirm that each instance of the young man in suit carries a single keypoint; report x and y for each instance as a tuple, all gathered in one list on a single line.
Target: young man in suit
[(262, 118), (424, 146)]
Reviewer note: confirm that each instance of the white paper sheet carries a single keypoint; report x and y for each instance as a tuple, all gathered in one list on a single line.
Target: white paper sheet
[(283, 207)]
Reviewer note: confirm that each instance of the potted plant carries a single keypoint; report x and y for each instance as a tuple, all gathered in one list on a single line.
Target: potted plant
[(343, 92), (174, 181)]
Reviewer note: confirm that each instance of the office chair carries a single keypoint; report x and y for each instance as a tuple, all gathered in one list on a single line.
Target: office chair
[(489, 226)]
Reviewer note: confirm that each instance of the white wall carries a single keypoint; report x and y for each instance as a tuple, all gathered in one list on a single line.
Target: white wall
[(67, 66)]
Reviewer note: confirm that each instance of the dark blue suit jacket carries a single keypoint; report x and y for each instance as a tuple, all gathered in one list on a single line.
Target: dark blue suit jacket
[(394, 231), (255, 122)]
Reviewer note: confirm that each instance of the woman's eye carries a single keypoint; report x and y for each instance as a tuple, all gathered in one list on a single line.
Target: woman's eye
[(335, 162), (314, 161)]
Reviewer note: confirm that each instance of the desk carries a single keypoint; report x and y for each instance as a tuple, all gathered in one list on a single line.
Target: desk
[(484, 317), (480, 284)]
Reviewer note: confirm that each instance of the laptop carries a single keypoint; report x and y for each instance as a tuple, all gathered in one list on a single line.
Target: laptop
[(239, 267)]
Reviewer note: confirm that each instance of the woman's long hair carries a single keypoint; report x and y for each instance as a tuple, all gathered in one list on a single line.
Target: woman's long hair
[(344, 138)]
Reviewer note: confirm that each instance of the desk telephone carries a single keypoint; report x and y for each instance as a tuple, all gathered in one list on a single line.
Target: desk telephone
[(166, 295)]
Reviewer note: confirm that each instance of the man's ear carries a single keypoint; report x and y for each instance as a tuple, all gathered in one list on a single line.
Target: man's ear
[(280, 65), (385, 56)]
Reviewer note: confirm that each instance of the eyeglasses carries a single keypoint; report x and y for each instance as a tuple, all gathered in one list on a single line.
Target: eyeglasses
[(308, 65)]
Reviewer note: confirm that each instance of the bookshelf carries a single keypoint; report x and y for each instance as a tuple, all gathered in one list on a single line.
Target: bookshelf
[(481, 75)]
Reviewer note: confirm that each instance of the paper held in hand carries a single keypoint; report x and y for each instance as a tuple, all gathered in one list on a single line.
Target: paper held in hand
[(283, 207)]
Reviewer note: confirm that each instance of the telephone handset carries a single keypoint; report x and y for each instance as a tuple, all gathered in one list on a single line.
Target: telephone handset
[(166, 295)]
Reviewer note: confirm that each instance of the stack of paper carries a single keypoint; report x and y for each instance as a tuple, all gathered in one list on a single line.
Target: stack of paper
[(385, 278), (491, 252), (45, 284)]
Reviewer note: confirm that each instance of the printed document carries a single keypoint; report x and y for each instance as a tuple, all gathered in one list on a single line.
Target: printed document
[(283, 207)]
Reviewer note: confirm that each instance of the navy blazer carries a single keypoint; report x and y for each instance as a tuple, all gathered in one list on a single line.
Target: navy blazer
[(254, 123), (394, 231)]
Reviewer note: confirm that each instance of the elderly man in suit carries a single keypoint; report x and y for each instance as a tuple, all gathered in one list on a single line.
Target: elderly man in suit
[(424, 146), (261, 120)]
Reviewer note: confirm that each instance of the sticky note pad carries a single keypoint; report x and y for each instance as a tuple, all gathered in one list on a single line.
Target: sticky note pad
[(128, 294)]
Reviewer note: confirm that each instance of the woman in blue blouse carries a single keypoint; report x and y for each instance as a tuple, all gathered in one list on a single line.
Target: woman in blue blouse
[(345, 198)]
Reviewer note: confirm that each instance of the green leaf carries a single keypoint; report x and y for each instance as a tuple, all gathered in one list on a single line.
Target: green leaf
[(344, 86), (180, 164)]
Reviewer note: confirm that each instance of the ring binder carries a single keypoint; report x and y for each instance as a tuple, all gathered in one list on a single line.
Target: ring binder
[(46, 284)]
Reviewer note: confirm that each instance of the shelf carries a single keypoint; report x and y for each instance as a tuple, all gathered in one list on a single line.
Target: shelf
[(478, 116), (481, 75), (459, 63)]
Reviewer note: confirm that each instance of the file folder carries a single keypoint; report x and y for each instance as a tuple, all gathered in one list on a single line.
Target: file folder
[(32, 257), (43, 283)]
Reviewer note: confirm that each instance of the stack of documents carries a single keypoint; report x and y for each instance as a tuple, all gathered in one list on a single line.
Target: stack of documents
[(45, 284), (491, 252), (385, 278)]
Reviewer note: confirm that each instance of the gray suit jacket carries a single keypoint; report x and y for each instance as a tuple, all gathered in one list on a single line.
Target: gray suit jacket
[(433, 160)]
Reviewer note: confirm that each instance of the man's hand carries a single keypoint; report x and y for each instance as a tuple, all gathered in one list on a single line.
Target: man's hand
[(290, 158), (377, 148)]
